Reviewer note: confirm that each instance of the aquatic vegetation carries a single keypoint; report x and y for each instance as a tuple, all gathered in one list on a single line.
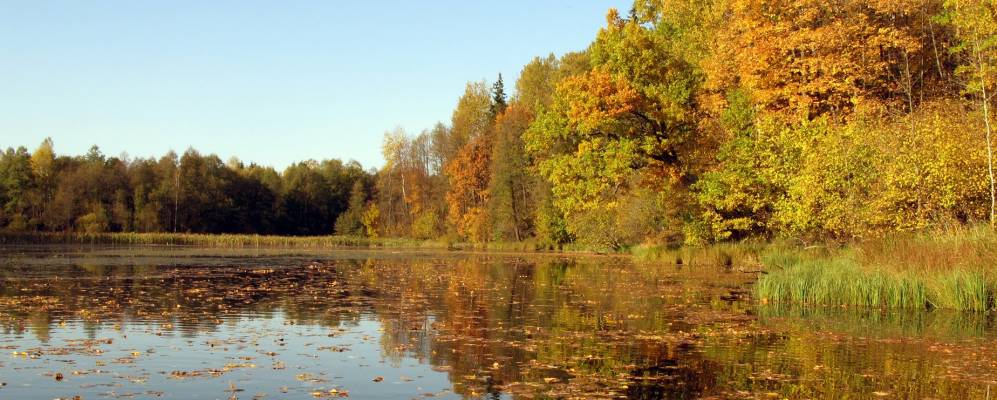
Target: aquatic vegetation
[(841, 282), (954, 270)]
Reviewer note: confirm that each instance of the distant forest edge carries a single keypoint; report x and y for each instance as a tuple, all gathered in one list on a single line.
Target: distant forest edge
[(684, 122), (220, 240)]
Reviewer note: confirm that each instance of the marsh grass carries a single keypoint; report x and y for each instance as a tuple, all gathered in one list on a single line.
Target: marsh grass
[(953, 269), (971, 248), (217, 240), (246, 240)]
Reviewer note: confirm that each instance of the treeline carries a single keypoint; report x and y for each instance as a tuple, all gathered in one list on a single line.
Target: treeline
[(685, 121), (41, 191)]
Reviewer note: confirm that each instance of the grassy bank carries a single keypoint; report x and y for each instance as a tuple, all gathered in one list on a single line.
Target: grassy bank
[(242, 240), (954, 269), (951, 269)]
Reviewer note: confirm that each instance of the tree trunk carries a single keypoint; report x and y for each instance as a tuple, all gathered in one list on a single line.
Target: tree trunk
[(985, 100)]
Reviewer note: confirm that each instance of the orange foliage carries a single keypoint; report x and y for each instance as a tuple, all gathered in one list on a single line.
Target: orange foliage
[(467, 198), (816, 57)]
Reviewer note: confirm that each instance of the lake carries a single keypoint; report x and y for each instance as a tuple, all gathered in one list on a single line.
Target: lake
[(192, 323)]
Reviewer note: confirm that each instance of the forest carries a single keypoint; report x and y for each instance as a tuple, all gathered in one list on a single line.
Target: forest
[(683, 122)]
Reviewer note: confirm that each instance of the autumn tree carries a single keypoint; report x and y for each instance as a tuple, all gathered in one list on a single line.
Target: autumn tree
[(167, 190), (536, 83), (737, 197), (512, 190), (617, 127), (467, 171), (535, 89), (44, 168), (975, 22), (409, 185), (472, 117), (467, 199), (43, 162)]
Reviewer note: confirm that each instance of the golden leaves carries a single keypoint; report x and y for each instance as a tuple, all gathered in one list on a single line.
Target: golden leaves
[(595, 99), (806, 58)]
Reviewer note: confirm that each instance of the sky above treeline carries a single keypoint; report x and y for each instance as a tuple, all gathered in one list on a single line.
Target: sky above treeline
[(268, 82)]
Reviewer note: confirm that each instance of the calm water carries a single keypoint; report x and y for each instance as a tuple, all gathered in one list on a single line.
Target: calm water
[(218, 324)]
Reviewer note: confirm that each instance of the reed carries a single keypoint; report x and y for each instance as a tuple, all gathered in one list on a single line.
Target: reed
[(953, 269), (972, 248), (215, 240)]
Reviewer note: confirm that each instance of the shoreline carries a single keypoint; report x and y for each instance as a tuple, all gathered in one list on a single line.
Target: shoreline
[(248, 241), (953, 269)]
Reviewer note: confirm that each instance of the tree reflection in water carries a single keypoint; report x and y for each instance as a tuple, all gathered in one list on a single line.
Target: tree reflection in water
[(533, 327)]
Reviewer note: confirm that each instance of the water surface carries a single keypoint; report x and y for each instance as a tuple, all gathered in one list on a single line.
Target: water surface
[(155, 322)]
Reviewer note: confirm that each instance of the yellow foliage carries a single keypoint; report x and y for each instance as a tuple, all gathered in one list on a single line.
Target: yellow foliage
[(806, 58)]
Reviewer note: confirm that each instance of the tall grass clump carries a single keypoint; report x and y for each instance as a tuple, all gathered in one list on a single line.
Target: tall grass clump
[(964, 290), (842, 282)]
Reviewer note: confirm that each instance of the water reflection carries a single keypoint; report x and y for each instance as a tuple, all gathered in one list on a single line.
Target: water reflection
[(315, 324)]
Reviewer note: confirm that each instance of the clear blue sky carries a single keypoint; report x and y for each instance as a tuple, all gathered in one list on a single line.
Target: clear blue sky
[(268, 81)]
